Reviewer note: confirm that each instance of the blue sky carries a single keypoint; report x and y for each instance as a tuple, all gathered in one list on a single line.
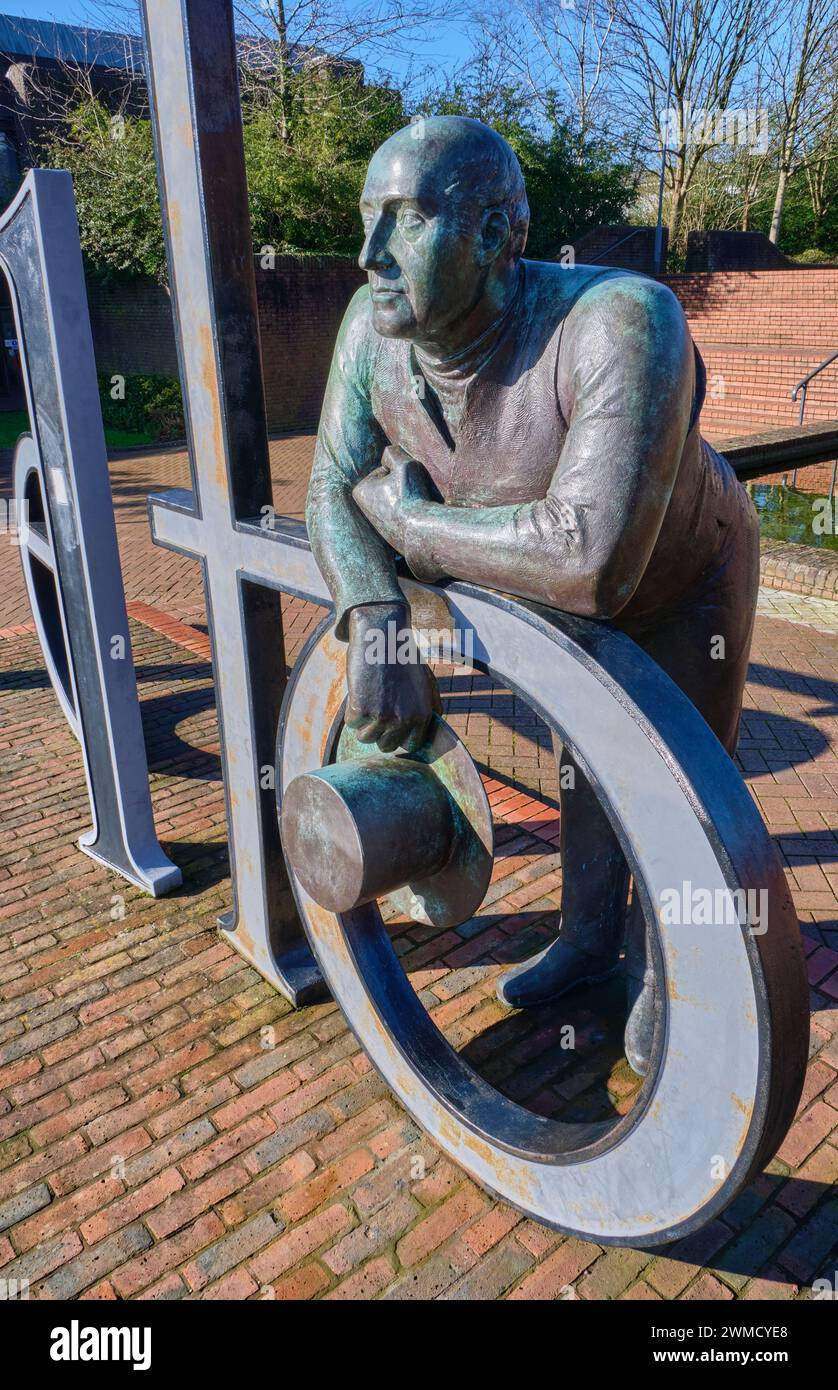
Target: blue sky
[(65, 11)]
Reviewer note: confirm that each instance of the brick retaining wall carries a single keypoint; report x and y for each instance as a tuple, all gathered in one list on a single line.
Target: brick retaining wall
[(799, 569), (759, 332), (132, 328), (619, 244), (301, 304)]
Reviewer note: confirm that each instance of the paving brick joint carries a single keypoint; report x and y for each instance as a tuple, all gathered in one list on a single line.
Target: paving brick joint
[(170, 1128)]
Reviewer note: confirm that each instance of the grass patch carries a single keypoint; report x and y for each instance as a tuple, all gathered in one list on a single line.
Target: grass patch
[(14, 423)]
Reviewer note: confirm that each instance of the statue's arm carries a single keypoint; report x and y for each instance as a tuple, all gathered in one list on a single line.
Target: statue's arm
[(356, 563), (625, 383)]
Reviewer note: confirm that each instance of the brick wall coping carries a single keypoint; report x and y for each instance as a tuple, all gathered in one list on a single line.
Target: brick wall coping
[(799, 569), (780, 450), (782, 271)]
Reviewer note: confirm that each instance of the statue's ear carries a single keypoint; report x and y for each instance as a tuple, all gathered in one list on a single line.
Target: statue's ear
[(495, 233)]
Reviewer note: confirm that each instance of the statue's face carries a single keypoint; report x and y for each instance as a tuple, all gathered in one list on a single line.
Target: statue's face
[(423, 249)]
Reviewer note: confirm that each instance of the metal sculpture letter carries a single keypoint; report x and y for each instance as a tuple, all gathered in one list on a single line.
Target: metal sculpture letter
[(194, 88), (68, 547)]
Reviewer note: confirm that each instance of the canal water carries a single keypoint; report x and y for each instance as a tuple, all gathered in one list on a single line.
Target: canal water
[(785, 514)]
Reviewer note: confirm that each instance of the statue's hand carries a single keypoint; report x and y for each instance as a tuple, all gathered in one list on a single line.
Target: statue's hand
[(389, 704), (388, 494)]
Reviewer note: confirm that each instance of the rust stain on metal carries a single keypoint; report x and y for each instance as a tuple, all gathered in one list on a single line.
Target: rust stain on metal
[(321, 708), (244, 940), (747, 1110), (514, 1180), (321, 922), (209, 379), (175, 220)]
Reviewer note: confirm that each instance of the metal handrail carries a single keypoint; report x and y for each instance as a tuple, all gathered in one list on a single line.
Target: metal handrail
[(613, 247), (804, 383)]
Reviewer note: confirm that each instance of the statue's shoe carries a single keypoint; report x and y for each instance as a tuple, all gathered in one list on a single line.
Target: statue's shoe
[(555, 970), (640, 1024)]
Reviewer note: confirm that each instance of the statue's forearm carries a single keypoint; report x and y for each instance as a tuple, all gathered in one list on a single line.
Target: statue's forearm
[(358, 565), (539, 550)]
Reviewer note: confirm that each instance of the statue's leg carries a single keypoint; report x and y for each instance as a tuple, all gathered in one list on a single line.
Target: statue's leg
[(594, 894), (704, 647), (641, 991)]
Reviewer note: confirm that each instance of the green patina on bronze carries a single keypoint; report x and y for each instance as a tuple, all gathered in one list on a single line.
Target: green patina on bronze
[(534, 428)]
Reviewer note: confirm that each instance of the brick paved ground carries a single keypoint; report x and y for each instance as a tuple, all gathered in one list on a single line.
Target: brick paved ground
[(152, 574), (170, 1128)]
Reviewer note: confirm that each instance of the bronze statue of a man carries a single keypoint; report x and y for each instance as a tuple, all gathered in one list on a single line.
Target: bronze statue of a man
[(533, 428)]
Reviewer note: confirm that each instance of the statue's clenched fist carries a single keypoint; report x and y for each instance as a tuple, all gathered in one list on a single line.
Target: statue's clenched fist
[(387, 495), (390, 704)]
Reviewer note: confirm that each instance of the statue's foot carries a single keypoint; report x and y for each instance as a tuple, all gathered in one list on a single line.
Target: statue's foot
[(640, 1024), (555, 970)]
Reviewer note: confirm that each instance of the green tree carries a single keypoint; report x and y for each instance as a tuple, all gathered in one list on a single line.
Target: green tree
[(305, 172), (802, 229), (111, 159), (306, 159), (306, 152)]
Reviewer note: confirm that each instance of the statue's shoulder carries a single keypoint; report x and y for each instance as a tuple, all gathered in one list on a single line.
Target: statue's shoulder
[(594, 309), (357, 320), (556, 290), (357, 341)]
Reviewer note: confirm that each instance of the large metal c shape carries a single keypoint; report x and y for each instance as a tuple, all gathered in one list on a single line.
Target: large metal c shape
[(732, 1048)]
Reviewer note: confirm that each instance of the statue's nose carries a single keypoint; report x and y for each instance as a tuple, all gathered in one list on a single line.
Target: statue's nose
[(375, 254)]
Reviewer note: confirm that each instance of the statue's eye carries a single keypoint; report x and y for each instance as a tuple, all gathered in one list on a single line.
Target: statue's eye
[(410, 223)]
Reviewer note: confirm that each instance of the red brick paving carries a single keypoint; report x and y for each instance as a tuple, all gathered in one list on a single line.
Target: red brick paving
[(151, 574), (170, 1128)]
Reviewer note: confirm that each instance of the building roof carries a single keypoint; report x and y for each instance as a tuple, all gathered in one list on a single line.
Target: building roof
[(40, 39), (43, 39)]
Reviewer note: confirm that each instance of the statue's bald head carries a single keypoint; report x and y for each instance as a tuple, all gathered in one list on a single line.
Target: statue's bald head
[(463, 162), (446, 216)]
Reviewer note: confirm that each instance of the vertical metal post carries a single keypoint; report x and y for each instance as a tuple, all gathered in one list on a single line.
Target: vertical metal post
[(194, 97), (659, 227)]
